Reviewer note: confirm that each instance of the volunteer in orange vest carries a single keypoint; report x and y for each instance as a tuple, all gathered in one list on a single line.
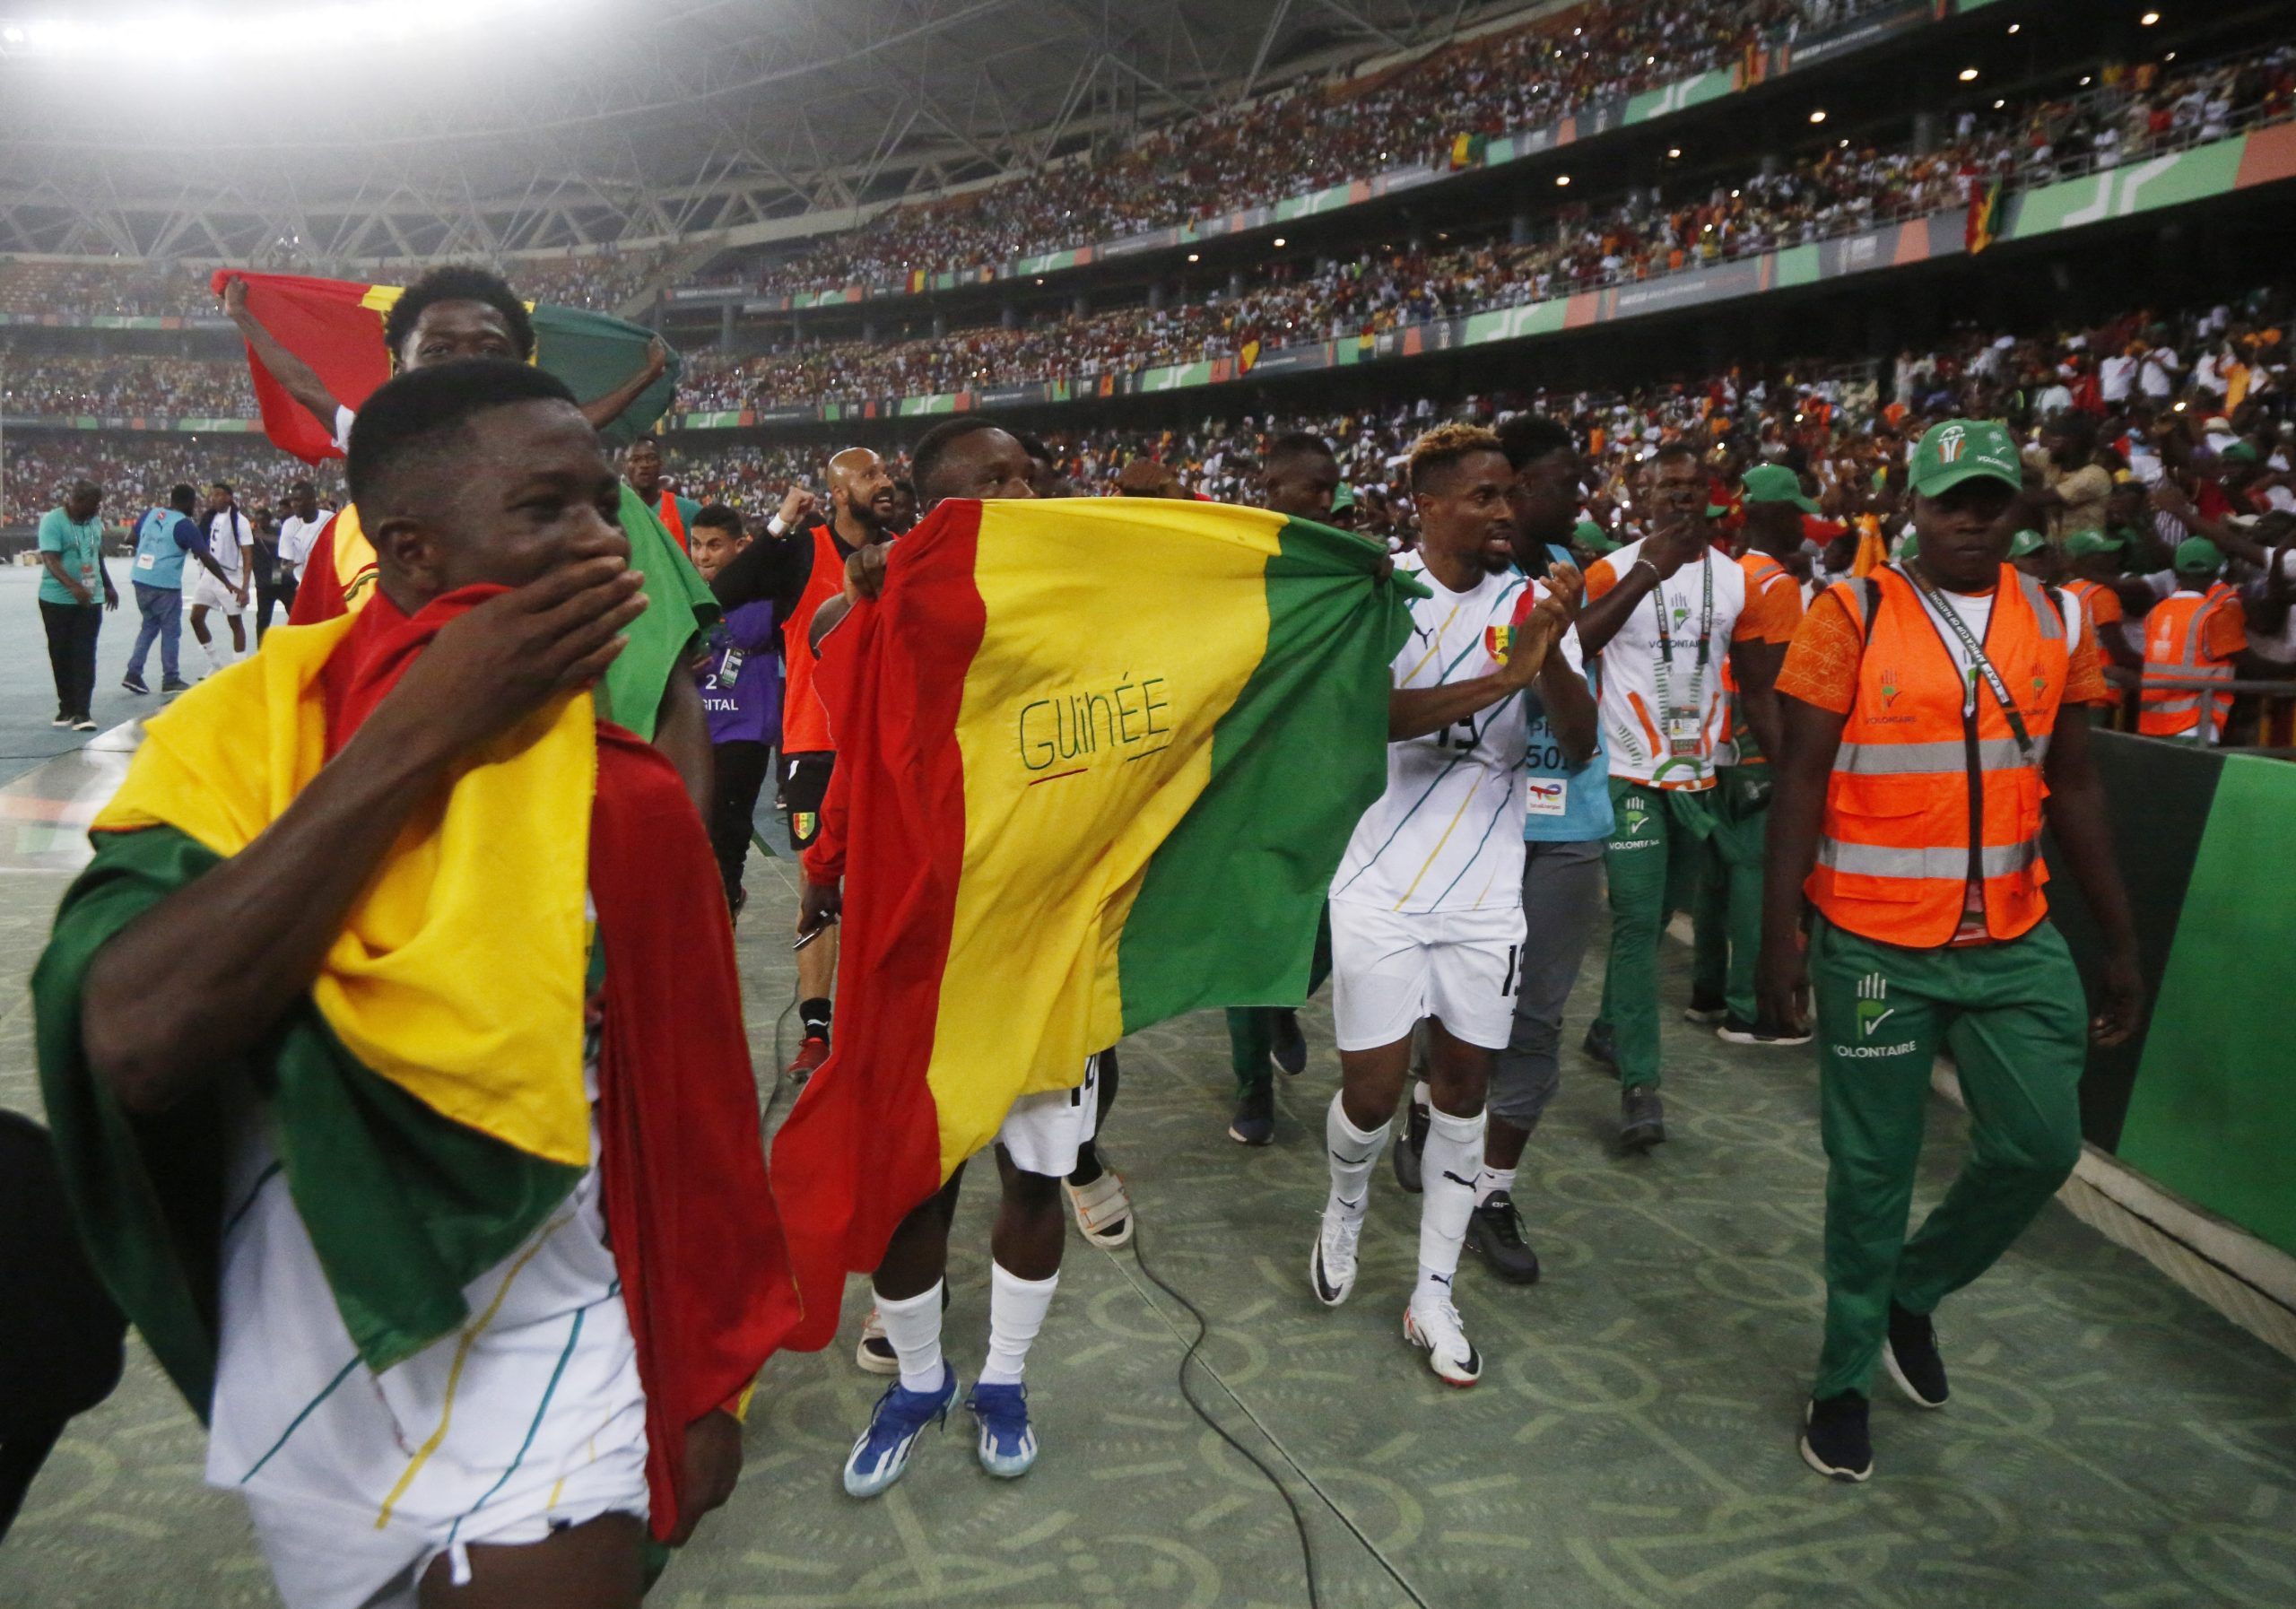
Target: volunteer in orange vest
[(799, 566), (2094, 558), (1726, 919), (642, 467), (1666, 613), (1930, 704), (2191, 638)]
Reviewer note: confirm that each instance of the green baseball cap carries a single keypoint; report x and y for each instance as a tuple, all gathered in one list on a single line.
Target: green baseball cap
[(1776, 484), (2197, 553), (1593, 538), (2024, 543), (2239, 452), (2081, 544), (1963, 449), (1910, 548), (1343, 498)]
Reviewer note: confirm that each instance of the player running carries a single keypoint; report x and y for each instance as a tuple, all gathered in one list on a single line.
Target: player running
[(1426, 908)]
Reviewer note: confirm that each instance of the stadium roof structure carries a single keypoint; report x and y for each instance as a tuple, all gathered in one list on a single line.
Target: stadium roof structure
[(262, 131)]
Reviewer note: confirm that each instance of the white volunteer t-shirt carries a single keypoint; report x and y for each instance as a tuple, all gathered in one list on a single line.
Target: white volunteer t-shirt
[(296, 535), (1638, 712), (1447, 834)]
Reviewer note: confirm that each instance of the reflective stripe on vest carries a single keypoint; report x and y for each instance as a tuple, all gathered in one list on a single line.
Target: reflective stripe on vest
[(805, 724), (2176, 635), (1913, 774)]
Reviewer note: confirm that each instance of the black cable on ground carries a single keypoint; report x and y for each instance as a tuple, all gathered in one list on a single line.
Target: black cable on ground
[(1187, 1392)]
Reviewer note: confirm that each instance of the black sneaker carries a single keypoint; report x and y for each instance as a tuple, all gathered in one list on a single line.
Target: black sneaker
[(134, 682), (175, 685), (1737, 1030), (1601, 1043), (1911, 1358), (1705, 1009), (1254, 1123), (1835, 1441), (1409, 1148), (1290, 1044), (1642, 1117), (62, 720), (1496, 1230)]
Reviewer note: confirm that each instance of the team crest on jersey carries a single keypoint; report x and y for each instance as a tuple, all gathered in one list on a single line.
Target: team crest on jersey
[(1497, 640), (801, 822)]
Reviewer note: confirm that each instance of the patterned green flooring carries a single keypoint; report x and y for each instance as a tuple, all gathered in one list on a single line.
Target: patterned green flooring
[(2110, 1441)]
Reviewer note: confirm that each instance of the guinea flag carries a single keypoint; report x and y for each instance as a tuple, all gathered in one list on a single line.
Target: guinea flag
[(426, 1097), (1097, 761), (337, 326)]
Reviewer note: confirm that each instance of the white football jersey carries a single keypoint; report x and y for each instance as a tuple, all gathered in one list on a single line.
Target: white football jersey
[(1447, 834)]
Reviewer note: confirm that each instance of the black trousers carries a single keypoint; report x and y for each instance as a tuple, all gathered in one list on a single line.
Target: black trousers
[(72, 631), (267, 593), (742, 769)]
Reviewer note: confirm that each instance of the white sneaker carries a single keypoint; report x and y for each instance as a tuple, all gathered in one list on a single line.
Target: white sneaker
[(874, 1353), (1432, 1323), (1331, 1266)]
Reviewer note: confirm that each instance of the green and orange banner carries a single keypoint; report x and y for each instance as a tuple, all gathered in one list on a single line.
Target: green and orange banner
[(1098, 759)]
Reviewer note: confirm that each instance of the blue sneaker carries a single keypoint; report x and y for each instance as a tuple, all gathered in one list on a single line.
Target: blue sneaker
[(1008, 1447), (901, 1416)]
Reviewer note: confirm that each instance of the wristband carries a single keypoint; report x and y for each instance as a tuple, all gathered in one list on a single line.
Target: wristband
[(776, 525)]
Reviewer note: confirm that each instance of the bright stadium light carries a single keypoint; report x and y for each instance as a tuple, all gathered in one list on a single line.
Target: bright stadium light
[(1279, 242), (1819, 116), (1196, 256), (2014, 27), (182, 33), (2148, 19), (1675, 153), (1562, 178), (1968, 75)]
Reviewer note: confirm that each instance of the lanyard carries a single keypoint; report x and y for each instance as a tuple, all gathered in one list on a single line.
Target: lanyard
[(1979, 663), (1683, 749), (1706, 617)]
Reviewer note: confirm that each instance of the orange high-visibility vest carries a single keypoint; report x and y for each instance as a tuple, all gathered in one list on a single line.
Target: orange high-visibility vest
[(673, 522), (805, 724), (2176, 646), (1922, 796)]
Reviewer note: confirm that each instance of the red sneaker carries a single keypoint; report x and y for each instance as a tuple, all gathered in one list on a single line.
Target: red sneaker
[(810, 1056)]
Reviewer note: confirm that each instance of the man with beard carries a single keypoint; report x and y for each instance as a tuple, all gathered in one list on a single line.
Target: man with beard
[(1566, 819), (1427, 918), (797, 574)]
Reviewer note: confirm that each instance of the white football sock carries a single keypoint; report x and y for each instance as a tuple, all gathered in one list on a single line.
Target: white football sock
[(1354, 1152), (1016, 1310), (1491, 1181), (212, 648), (1448, 1171), (913, 1325)]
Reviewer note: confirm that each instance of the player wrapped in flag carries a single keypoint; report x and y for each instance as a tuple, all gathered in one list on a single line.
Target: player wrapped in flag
[(1097, 760)]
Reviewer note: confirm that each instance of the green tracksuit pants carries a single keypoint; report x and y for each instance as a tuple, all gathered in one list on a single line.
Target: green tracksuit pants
[(1653, 847), (1251, 1029), (1726, 919), (2016, 1019)]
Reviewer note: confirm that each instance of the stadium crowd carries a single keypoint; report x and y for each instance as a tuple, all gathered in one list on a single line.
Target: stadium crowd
[(1308, 137)]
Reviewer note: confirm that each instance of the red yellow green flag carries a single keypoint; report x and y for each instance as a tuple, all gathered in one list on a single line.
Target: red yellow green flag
[(1098, 759), (337, 326)]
